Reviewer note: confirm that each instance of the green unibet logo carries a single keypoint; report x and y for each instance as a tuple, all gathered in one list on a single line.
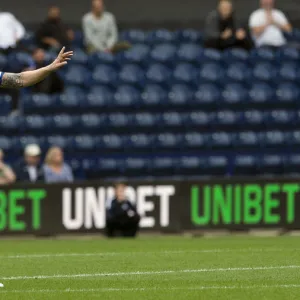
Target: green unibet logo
[(247, 204), (13, 209)]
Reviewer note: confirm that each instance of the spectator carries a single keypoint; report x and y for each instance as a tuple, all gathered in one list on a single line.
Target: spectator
[(122, 215), (55, 170), (11, 32), (268, 25), (221, 31), (7, 175), (99, 28), (52, 84), (53, 33), (29, 169)]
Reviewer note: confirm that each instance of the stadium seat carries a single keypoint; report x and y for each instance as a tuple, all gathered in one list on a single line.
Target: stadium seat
[(217, 165), (194, 140), (211, 72), (160, 36), (18, 61), (60, 141), (272, 138), (79, 58), (119, 121), (287, 93), (272, 164), (180, 95), (64, 123), (235, 55), (199, 119), (191, 165), (237, 72), (247, 139), (289, 54), (93, 123), (261, 93), (207, 95), (140, 141), (105, 75), (131, 74), (23, 141), (190, 53), (77, 75), (254, 118), (74, 90), (100, 58), (84, 143), (145, 120), (172, 119), (263, 54), (78, 41), (158, 74), (190, 36), (245, 165), (220, 140), (264, 72), (109, 166), (3, 62), (227, 118), (11, 124), (164, 53), (38, 103), (99, 97), (36, 124), (162, 166), (292, 163), (234, 94), (280, 117), (168, 141), (126, 96), (111, 142), (154, 95), (186, 74), (211, 56), (293, 138), (136, 166), (5, 101), (134, 36), (289, 72), (138, 54), (6, 144), (70, 102)]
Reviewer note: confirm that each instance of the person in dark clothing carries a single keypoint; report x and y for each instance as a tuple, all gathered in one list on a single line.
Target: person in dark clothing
[(53, 33), (221, 30), (29, 169), (122, 215)]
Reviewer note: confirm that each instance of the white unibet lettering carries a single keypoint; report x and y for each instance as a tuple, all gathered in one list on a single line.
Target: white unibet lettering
[(145, 206), (94, 208), (77, 222), (165, 192)]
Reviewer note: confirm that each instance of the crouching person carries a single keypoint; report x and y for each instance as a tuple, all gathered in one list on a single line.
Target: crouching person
[(122, 218)]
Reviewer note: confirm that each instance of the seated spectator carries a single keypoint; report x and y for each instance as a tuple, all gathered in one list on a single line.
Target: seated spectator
[(55, 170), (99, 28), (53, 83), (53, 33), (122, 215), (29, 169), (7, 175), (268, 25), (221, 31), (11, 32)]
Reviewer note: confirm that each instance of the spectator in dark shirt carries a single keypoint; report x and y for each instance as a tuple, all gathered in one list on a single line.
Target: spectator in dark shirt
[(221, 30), (122, 215), (53, 33), (29, 169)]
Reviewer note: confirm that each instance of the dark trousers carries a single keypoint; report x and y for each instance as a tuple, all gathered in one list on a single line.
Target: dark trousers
[(222, 44), (125, 226)]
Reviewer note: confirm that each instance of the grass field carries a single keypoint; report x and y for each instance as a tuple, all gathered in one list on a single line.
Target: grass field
[(151, 268)]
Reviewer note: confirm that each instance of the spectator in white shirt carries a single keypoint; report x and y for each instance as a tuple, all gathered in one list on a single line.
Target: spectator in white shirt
[(268, 25), (11, 31)]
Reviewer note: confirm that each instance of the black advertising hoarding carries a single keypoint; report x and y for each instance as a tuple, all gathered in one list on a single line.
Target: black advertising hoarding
[(165, 206)]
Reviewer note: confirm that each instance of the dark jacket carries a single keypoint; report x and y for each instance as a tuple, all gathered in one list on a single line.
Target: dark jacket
[(121, 211), (22, 173)]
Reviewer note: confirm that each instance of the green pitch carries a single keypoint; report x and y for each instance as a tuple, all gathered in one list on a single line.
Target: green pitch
[(152, 268)]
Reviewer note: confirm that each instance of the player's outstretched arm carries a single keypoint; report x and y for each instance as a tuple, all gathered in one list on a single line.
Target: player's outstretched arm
[(29, 78)]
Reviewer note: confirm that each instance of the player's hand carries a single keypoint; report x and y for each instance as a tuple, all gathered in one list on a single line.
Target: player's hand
[(61, 60)]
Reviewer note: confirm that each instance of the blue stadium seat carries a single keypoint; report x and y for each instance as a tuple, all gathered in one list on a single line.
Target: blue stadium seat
[(272, 164), (159, 74), (272, 138), (105, 75), (263, 54), (245, 165), (78, 41), (127, 96), (136, 165), (220, 140), (185, 73), (36, 124), (211, 72), (172, 119), (77, 75), (180, 95), (70, 102), (292, 163), (79, 58), (38, 103), (261, 93), (11, 123), (199, 119), (138, 54), (161, 36), (74, 90), (154, 96), (23, 141), (194, 140), (168, 141), (164, 53), (100, 58), (190, 53), (211, 56), (132, 74), (289, 54), (6, 144), (3, 62), (191, 165), (140, 141), (254, 117), (280, 117), (109, 166), (64, 123), (93, 122), (5, 101), (293, 138), (134, 36), (111, 142), (287, 93), (162, 166), (234, 94), (247, 139), (59, 141), (235, 55), (119, 120), (18, 61), (207, 95), (227, 117), (289, 72), (264, 72), (238, 72), (84, 143), (190, 36), (217, 165), (99, 97), (145, 120)]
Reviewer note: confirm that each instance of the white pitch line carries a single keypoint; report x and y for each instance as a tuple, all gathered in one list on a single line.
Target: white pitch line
[(54, 255), (138, 273), (195, 288)]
